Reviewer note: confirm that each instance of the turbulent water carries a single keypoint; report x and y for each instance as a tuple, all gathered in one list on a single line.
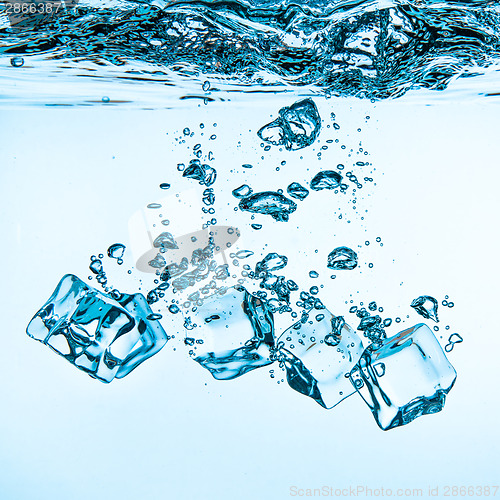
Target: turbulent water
[(364, 49)]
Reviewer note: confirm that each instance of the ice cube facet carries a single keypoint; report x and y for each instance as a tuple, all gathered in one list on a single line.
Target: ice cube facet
[(104, 337), (318, 358), (406, 377), (232, 333)]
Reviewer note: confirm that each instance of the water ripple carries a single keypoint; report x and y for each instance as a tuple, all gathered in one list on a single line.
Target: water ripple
[(350, 48)]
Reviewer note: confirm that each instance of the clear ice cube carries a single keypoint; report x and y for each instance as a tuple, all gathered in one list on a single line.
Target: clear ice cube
[(104, 337), (232, 333), (318, 357), (406, 377)]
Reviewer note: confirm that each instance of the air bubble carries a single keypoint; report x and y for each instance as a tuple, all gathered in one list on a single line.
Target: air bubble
[(17, 62)]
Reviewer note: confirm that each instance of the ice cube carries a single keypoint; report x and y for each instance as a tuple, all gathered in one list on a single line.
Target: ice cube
[(406, 377), (297, 126), (318, 357), (233, 333), (104, 337)]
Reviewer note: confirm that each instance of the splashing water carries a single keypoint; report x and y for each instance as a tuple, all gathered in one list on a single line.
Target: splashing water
[(344, 48)]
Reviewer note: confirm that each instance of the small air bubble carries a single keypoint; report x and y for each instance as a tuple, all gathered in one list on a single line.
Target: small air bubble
[(17, 62)]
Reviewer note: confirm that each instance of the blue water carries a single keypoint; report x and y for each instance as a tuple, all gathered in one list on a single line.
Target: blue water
[(338, 48), (131, 131), (223, 51)]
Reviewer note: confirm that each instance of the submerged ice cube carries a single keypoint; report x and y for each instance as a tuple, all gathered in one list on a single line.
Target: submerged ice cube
[(318, 358), (426, 306), (233, 333), (406, 377), (297, 126), (104, 337)]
